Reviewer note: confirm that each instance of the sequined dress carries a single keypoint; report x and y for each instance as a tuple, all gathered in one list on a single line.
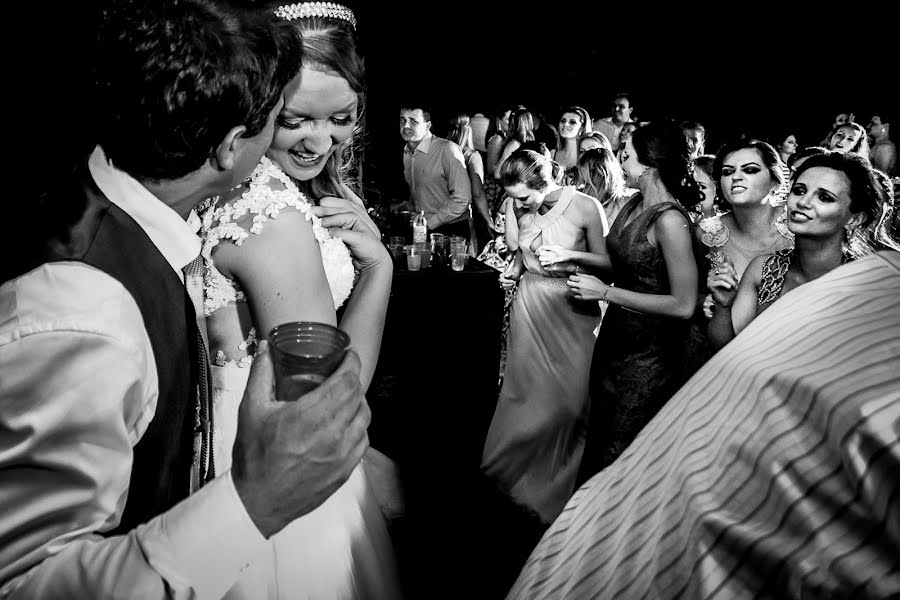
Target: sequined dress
[(341, 549)]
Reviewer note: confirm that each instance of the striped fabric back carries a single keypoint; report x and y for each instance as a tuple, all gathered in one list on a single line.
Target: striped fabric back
[(774, 472)]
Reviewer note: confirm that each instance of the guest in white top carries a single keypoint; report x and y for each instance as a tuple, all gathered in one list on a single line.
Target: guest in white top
[(100, 350)]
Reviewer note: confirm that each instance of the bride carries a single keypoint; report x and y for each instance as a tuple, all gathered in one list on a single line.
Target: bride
[(273, 257)]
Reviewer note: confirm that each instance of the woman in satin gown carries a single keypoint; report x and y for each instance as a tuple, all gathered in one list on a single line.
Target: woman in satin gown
[(293, 243), (536, 437)]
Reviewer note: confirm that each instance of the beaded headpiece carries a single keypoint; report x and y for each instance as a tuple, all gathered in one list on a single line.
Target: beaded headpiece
[(305, 10)]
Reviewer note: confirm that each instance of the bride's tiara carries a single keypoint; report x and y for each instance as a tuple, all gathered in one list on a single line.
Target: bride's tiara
[(305, 10)]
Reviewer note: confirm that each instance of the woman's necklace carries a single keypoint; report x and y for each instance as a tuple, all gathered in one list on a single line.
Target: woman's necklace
[(753, 251)]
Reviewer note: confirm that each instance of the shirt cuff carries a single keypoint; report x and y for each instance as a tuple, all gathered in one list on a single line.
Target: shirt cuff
[(204, 542)]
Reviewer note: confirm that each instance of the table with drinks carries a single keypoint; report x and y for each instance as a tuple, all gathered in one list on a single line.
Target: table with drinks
[(436, 380), (439, 252)]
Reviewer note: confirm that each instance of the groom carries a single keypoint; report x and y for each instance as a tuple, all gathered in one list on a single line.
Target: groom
[(99, 363)]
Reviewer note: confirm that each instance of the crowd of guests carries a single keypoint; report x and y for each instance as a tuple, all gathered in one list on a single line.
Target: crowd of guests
[(630, 256), (144, 452), (633, 228)]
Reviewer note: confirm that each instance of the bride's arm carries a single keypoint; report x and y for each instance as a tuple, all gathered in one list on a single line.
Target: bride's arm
[(280, 270), (364, 316)]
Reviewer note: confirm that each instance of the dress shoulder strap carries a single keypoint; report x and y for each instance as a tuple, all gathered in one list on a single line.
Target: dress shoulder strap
[(565, 199), (774, 270)]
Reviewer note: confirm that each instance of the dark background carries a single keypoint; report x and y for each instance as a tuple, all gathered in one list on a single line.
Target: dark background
[(762, 69), (765, 70)]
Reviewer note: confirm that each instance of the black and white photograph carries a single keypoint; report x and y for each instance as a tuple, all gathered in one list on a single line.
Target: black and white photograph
[(450, 300)]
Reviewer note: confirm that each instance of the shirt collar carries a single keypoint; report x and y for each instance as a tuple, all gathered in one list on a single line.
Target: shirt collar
[(423, 146), (174, 237)]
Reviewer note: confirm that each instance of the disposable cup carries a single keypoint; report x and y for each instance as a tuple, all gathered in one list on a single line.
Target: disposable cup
[(304, 354)]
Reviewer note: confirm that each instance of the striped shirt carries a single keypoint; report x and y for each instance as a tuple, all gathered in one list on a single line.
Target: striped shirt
[(774, 472)]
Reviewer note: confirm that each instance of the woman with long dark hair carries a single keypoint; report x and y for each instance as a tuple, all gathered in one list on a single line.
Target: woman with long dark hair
[(638, 360), (521, 130), (750, 178)]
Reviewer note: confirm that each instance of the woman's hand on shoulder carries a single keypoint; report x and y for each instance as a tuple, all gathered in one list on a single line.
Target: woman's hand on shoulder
[(345, 214), (349, 221)]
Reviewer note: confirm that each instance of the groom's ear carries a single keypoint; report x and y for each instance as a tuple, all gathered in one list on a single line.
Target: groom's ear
[(225, 155)]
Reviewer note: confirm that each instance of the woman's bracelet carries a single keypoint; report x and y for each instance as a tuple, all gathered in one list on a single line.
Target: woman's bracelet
[(605, 292)]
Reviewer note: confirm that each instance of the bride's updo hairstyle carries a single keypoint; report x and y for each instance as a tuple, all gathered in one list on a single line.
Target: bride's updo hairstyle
[(530, 168), (662, 145), (330, 44)]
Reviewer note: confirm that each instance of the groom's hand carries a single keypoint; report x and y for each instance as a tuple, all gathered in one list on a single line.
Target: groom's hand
[(289, 457)]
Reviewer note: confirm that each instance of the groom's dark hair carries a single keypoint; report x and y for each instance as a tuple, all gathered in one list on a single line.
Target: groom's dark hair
[(172, 78)]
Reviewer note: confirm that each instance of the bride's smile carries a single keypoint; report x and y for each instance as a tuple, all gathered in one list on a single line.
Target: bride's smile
[(319, 114)]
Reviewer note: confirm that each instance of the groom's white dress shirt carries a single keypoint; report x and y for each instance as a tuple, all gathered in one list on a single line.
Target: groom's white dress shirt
[(78, 389)]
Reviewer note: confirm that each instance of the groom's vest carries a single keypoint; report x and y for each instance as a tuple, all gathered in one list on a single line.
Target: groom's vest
[(91, 229)]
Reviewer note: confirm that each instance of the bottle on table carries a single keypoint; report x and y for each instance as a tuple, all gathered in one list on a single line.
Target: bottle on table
[(420, 228)]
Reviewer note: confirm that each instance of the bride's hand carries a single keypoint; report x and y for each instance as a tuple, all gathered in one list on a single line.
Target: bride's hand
[(586, 287), (345, 214), (366, 250)]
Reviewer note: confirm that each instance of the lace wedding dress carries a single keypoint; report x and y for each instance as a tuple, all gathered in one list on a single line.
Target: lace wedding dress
[(340, 550)]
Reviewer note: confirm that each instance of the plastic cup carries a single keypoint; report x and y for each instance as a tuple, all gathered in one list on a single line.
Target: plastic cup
[(458, 260), (425, 250), (397, 253), (413, 257), (304, 354)]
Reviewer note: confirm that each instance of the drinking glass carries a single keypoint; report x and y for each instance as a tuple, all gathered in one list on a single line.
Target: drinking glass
[(413, 257), (304, 354), (425, 251), (458, 260)]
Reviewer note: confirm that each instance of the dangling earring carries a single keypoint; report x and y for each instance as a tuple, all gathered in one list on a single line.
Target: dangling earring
[(775, 198), (781, 224), (847, 245)]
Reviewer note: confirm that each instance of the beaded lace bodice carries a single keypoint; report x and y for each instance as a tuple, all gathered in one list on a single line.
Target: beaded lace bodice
[(774, 270), (270, 191)]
